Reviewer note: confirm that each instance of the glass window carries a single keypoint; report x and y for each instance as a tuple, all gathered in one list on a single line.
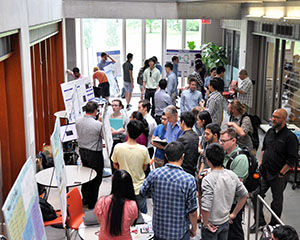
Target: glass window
[(236, 57), (228, 49), (269, 80), (134, 43), (291, 82), (174, 29), (100, 35), (193, 32), (153, 39)]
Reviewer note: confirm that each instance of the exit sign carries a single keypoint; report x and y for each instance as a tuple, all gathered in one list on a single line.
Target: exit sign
[(206, 21)]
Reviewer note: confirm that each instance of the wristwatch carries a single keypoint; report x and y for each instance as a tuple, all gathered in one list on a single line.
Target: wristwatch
[(205, 227)]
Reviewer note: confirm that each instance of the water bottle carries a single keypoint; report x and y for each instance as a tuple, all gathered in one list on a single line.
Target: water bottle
[(78, 163)]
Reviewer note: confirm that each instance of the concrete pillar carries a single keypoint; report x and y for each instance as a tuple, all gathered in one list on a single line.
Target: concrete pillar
[(212, 32), (71, 44), (27, 83)]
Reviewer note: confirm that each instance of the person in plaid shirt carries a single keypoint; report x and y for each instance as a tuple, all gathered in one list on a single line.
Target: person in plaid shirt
[(244, 92), (174, 197)]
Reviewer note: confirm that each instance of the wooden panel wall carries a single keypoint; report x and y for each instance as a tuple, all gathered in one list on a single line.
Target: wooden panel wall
[(12, 134), (47, 74)]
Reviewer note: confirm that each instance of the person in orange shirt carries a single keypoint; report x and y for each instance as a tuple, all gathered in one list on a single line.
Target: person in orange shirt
[(103, 82)]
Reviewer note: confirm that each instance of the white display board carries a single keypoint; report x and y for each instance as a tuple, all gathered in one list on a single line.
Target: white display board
[(106, 130), (76, 94), (21, 209), (59, 165), (186, 65), (113, 83)]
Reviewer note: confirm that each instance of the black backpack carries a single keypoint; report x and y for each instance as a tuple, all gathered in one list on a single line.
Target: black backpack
[(47, 210), (252, 181), (255, 122)]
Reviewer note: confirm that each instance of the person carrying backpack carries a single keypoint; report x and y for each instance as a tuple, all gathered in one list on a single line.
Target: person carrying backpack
[(238, 163), (242, 124)]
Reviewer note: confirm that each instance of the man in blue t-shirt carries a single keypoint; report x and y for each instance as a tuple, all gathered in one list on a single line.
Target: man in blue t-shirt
[(159, 134)]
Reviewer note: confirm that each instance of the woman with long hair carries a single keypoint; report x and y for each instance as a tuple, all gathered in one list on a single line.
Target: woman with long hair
[(143, 138), (140, 76), (118, 211)]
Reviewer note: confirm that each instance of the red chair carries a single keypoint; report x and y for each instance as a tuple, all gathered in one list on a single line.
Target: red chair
[(74, 208)]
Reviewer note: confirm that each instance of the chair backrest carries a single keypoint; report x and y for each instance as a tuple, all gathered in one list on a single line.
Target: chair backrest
[(74, 207)]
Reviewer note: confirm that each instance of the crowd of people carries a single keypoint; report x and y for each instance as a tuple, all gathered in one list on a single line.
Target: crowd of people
[(199, 166)]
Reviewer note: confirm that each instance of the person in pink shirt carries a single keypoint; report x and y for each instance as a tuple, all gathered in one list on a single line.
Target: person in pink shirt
[(143, 138), (118, 211)]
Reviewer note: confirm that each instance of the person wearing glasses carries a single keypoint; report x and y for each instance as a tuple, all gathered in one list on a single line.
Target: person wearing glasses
[(151, 79), (240, 166)]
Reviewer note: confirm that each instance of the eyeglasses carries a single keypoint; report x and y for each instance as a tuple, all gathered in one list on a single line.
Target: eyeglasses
[(225, 140), (164, 119), (150, 74)]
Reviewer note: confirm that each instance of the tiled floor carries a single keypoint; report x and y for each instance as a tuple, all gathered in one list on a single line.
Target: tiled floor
[(290, 214)]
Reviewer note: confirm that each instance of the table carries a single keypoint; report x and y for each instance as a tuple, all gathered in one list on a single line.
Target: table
[(266, 127), (92, 232), (61, 114), (75, 175)]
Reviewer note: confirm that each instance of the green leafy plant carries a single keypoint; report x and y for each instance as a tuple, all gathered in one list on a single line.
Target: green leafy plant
[(191, 45), (213, 55)]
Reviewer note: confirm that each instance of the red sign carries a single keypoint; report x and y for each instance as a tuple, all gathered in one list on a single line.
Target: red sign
[(206, 21)]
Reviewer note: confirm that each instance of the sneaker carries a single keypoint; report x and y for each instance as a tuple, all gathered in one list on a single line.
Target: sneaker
[(128, 107), (260, 227)]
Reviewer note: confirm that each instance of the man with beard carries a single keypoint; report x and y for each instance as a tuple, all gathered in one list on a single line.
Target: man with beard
[(279, 154)]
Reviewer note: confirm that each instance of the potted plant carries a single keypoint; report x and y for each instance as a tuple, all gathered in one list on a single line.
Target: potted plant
[(213, 55), (191, 45)]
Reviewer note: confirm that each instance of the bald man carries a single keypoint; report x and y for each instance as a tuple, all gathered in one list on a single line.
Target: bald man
[(279, 154), (245, 89)]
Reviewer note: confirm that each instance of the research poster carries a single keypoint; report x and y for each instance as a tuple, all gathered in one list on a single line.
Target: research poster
[(76, 94), (186, 64), (21, 209), (106, 130), (60, 170)]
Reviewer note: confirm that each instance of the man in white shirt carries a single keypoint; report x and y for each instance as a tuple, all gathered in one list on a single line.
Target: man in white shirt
[(151, 79), (144, 108)]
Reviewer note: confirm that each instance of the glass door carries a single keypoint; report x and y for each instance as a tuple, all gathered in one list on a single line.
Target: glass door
[(268, 83)]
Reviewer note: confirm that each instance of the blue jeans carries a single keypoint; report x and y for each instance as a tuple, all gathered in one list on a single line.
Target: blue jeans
[(220, 234), (186, 236), (142, 203)]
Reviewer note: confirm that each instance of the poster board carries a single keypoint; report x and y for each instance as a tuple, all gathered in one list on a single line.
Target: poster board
[(59, 166), (21, 209), (106, 130), (186, 65), (76, 94)]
